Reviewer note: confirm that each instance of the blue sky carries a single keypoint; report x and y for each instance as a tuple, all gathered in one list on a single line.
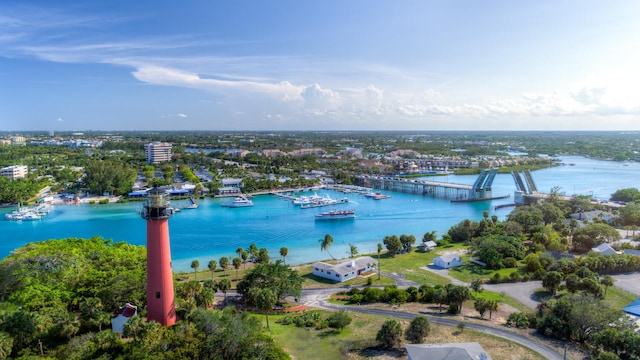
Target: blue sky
[(319, 65)]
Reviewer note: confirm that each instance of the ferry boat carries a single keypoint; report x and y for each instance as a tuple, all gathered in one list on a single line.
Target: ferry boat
[(336, 215), (239, 202)]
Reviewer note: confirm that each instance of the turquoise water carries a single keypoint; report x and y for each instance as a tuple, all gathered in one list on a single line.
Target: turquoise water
[(213, 231)]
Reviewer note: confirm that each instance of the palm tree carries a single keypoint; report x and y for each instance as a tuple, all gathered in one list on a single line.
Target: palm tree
[(379, 251), (224, 262), (195, 264), (353, 250), (237, 262), (244, 256), (325, 244), (284, 252), (224, 285), (212, 266)]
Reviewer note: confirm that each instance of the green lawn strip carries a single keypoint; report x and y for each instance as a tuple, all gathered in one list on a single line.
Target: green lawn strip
[(410, 266), (617, 299)]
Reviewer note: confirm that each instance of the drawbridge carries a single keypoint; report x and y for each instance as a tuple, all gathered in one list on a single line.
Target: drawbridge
[(480, 190), (525, 186)]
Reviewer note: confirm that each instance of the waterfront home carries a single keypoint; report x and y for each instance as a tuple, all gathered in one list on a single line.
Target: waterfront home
[(123, 315), (448, 261), (447, 351), (230, 187), (345, 269)]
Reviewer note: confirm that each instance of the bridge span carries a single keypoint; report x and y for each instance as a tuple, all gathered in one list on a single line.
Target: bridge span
[(480, 190)]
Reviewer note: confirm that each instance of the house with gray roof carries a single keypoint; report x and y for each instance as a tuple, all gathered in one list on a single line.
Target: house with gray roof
[(448, 261), (447, 351), (604, 249), (345, 269)]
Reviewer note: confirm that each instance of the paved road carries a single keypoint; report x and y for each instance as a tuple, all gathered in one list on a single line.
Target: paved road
[(629, 282), (544, 350), (521, 291)]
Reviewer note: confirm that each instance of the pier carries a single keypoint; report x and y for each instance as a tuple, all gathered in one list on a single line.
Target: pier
[(480, 190)]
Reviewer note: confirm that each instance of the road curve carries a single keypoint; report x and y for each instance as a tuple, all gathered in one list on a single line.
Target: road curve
[(542, 349)]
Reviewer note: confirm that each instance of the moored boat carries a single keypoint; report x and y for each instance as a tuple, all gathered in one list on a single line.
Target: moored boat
[(239, 202), (336, 215)]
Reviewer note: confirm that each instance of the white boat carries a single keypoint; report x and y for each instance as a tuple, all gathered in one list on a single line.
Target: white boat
[(239, 202), (27, 214), (336, 215)]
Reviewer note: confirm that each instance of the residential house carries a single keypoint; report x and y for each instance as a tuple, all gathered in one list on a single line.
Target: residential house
[(447, 351), (448, 261), (345, 269), (604, 249), (122, 316), (428, 245), (230, 187), (633, 311)]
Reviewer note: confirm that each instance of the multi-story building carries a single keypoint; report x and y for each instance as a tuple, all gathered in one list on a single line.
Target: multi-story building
[(14, 171), (157, 152)]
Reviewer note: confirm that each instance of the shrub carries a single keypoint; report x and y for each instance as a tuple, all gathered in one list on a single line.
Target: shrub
[(510, 262), (496, 278), (514, 276), (519, 320)]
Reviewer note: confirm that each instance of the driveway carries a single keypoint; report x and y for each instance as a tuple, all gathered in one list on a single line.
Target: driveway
[(521, 291), (629, 282)]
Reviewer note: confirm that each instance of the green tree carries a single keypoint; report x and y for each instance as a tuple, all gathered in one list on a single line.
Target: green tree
[(626, 195), (418, 330), (326, 243), (280, 278), (606, 281), (461, 325), (592, 235), (481, 305), (393, 244), (551, 280), (353, 250), (237, 262), (456, 295), (379, 251), (195, 264), (224, 285), (476, 285), (212, 266), (265, 300), (390, 334), (339, 320), (224, 262), (263, 256), (284, 252)]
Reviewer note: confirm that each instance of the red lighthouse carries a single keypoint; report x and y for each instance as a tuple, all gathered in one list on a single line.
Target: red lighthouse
[(160, 302)]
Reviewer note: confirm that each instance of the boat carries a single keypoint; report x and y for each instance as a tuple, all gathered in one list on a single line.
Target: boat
[(336, 215), (326, 201), (381, 196), (27, 214), (239, 202)]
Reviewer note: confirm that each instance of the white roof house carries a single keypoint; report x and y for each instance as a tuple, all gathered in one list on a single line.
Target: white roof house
[(345, 269), (447, 351), (448, 261)]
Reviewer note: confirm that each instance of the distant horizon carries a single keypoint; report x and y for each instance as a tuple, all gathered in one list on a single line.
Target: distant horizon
[(370, 65), (315, 131)]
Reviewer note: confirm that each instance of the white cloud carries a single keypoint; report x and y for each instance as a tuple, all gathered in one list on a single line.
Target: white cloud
[(182, 115)]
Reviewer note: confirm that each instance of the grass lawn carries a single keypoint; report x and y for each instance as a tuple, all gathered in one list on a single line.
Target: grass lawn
[(410, 265), (300, 342), (470, 272), (313, 281)]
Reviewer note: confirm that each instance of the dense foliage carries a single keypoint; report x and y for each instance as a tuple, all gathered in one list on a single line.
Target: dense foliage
[(58, 297)]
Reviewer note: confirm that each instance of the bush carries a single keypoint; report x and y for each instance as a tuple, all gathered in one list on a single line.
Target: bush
[(339, 320), (496, 278), (510, 262), (390, 334), (514, 276), (518, 320)]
